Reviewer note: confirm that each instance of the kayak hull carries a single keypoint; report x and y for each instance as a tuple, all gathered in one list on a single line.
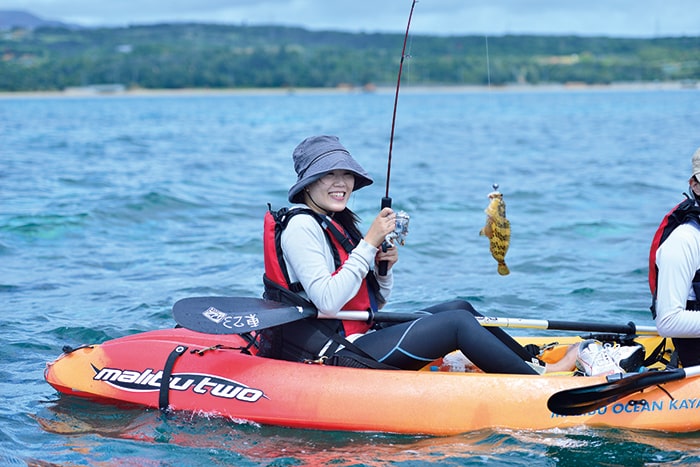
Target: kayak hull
[(211, 375)]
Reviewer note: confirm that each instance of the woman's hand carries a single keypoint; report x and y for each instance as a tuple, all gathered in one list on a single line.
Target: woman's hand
[(383, 225), (391, 256)]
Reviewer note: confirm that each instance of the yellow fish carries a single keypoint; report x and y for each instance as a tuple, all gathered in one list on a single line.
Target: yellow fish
[(497, 229)]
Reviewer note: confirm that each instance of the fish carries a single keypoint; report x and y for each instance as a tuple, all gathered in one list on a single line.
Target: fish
[(497, 230)]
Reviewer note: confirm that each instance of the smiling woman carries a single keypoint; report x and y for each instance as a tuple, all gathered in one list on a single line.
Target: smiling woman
[(316, 257)]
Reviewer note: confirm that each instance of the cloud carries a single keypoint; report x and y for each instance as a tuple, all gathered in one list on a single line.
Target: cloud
[(639, 18)]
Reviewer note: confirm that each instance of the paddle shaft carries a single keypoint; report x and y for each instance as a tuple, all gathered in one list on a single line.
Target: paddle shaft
[(236, 315), (692, 371), (490, 321), (629, 328)]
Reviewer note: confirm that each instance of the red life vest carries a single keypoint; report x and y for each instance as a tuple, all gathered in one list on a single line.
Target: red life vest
[(341, 245), (680, 214)]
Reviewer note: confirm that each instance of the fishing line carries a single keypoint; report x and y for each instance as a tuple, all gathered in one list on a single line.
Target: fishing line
[(488, 63), (396, 102)]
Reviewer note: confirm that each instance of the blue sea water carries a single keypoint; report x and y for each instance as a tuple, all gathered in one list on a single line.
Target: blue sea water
[(114, 207)]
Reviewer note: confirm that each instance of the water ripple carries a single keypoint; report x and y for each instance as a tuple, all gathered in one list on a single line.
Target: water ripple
[(112, 208)]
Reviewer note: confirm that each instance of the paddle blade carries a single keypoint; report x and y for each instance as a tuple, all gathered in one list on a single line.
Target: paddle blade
[(586, 399), (234, 315)]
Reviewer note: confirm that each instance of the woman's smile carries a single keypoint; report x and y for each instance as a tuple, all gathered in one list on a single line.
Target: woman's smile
[(330, 193)]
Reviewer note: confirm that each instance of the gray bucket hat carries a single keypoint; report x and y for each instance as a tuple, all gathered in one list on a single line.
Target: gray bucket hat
[(318, 155)]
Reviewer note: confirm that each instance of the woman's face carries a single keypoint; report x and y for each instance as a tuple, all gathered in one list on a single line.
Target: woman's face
[(695, 186), (331, 192)]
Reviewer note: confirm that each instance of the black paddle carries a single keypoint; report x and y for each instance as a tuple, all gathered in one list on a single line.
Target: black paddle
[(234, 315), (237, 315), (586, 399)]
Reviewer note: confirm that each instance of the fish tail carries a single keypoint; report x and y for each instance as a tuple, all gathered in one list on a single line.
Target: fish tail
[(503, 269)]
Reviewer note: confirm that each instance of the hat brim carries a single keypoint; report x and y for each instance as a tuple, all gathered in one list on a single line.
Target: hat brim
[(336, 160)]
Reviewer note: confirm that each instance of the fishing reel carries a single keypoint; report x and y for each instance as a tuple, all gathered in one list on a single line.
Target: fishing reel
[(401, 230)]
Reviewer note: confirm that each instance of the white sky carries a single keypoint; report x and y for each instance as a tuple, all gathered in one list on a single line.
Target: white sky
[(617, 18)]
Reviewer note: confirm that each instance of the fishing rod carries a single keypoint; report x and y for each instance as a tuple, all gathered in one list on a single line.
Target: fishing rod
[(386, 200)]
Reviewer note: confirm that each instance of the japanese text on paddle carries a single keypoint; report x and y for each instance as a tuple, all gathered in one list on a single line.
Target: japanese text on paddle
[(231, 321)]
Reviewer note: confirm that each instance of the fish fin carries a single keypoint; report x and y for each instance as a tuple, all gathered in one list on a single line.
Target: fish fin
[(503, 269)]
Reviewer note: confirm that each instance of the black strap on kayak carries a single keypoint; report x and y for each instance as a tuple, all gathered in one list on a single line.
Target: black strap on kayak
[(163, 401), (68, 349), (360, 355), (662, 354)]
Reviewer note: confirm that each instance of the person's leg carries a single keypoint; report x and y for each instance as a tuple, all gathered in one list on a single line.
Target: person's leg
[(688, 351), (496, 331), (414, 344)]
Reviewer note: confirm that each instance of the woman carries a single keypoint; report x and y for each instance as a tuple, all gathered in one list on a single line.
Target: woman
[(674, 273), (330, 264)]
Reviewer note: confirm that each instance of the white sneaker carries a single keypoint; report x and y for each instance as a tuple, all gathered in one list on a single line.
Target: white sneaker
[(628, 357), (594, 359)]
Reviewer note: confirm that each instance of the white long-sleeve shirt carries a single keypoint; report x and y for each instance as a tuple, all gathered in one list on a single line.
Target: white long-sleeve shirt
[(309, 260), (678, 258)]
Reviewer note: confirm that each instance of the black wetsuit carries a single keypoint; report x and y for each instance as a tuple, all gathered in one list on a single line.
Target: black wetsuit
[(412, 345)]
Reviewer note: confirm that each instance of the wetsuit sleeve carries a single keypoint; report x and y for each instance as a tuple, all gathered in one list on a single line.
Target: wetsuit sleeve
[(677, 260), (309, 260)]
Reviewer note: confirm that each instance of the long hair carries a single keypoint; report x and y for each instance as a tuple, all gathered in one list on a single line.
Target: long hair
[(350, 222)]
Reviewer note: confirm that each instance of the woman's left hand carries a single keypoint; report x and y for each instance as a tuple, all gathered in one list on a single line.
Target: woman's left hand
[(391, 256)]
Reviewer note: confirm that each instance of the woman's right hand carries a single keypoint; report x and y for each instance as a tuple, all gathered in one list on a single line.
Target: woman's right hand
[(383, 225)]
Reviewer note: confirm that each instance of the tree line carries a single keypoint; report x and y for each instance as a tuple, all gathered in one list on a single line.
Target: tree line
[(173, 56)]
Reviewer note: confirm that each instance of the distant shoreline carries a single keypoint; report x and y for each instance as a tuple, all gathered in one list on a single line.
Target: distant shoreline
[(95, 92)]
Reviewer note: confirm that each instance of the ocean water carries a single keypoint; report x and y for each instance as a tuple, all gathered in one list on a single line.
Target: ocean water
[(114, 207)]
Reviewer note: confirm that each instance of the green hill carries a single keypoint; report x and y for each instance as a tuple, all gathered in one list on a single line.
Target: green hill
[(176, 56)]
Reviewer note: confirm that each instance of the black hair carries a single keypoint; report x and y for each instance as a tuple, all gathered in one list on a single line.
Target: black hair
[(350, 222)]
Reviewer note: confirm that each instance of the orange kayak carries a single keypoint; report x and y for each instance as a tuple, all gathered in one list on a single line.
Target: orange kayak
[(209, 374)]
